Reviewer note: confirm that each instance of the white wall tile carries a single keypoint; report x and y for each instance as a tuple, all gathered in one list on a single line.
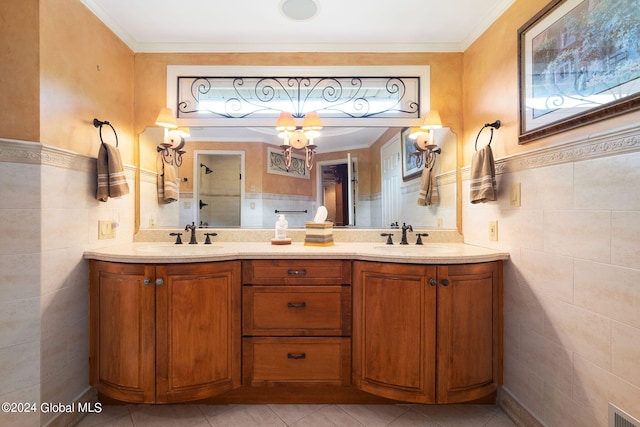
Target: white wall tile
[(608, 290), (625, 238), (608, 183), (625, 354), (579, 234), (547, 274)]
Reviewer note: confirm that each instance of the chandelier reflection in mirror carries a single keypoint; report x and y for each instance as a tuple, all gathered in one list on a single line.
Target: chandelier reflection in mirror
[(426, 146), (267, 97), (298, 138)]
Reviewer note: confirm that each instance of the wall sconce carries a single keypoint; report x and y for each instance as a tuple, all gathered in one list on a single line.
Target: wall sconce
[(298, 138), (426, 146), (171, 147)]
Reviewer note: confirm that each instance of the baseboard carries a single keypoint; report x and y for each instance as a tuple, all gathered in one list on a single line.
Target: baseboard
[(72, 418), (518, 413)]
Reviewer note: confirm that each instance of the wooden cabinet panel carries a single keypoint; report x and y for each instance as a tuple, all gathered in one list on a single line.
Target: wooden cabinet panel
[(302, 361), (168, 333), (469, 332), (426, 333), (296, 272), (123, 340), (394, 331), (198, 328), (296, 310)]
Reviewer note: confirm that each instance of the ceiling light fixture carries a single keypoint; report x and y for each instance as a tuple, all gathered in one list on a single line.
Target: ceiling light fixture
[(298, 138), (299, 10)]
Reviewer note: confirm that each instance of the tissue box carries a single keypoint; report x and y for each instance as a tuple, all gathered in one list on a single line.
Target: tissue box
[(319, 234)]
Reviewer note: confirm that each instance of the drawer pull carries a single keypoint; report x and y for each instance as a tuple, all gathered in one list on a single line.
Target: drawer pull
[(296, 356), (296, 272), (296, 304)]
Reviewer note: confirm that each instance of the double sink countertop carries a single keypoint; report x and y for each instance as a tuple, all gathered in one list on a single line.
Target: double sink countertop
[(438, 249)]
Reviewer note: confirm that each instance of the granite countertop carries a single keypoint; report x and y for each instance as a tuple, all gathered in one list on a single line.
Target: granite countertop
[(166, 252)]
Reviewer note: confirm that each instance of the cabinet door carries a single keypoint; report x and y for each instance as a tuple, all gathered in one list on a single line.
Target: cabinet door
[(394, 330), (123, 331), (469, 332), (198, 329)]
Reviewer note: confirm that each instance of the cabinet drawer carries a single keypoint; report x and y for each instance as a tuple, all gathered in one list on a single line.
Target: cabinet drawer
[(297, 361), (296, 272), (296, 310)]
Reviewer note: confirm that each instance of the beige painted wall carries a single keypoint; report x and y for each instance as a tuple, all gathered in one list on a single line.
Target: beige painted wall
[(19, 81), (86, 72), (491, 88)]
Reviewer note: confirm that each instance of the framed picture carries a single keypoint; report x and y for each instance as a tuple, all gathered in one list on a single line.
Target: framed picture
[(579, 62), (276, 165), (410, 169)]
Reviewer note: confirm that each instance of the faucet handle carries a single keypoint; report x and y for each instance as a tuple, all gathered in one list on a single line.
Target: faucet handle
[(388, 236), (178, 239), (208, 239), (419, 241)]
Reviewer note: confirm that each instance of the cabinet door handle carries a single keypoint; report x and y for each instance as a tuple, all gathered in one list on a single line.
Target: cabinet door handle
[(296, 272), (296, 356), (159, 282), (296, 304), (445, 282), (147, 281), (433, 282)]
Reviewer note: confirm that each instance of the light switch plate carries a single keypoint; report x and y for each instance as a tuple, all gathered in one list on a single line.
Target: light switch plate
[(515, 195), (493, 231), (106, 230)]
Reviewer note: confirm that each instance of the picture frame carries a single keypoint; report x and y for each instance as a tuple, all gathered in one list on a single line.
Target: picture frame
[(276, 165), (570, 75), (410, 168)]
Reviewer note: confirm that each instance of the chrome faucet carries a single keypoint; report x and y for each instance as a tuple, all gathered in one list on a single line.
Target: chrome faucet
[(405, 227), (193, 229)]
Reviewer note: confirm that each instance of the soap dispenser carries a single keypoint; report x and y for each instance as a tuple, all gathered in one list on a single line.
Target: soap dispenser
[(281, 228)]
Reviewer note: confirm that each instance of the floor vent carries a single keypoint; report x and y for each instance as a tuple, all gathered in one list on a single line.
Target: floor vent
[(619, 418)]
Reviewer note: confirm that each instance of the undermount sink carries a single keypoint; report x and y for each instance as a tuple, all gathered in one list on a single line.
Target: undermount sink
[(417, 249), (173, 249)]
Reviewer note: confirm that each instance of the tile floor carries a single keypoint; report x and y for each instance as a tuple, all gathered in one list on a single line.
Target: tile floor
[(299, 415)]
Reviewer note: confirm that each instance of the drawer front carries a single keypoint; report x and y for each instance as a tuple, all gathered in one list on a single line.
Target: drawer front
[(296, 310), (297, 361), (296, 272)]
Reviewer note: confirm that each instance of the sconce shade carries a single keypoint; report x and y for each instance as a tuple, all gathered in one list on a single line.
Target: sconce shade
[(312, 124), (432, 120), (166, 119), (285, 122)]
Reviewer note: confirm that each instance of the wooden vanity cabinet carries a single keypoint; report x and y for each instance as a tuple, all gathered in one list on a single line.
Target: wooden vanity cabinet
[(165, 333), (428, 334), (296, 323)]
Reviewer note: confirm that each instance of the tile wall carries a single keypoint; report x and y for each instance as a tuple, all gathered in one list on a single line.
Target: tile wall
[(572, 286), (48, 218)]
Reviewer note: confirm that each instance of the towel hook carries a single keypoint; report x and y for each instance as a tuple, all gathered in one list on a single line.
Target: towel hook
[(494, 125), (98, 123)]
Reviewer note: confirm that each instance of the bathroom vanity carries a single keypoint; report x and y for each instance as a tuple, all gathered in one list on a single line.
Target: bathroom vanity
[(255, 323)]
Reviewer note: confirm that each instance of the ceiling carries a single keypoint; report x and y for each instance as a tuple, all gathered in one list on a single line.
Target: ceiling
[(262, 26)]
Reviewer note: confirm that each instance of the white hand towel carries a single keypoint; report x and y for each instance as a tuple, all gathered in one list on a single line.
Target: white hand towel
[(428, 194), (483, 176), (167, 182), (112, 181)]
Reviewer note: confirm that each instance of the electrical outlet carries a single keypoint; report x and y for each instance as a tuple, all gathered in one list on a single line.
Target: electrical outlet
[(515, 195), (493, 231), (106, 230), (439, 222)]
